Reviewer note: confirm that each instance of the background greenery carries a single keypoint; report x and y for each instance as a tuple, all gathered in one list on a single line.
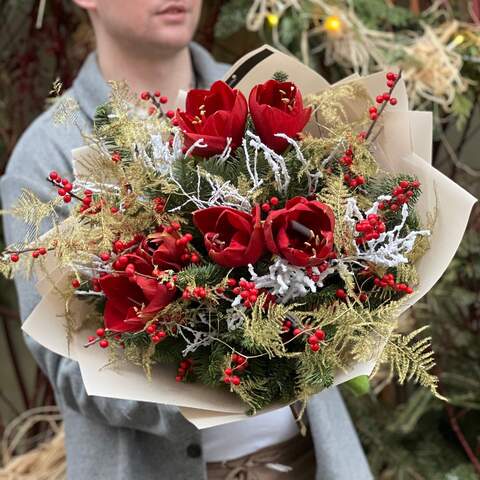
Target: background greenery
[(407, 433)]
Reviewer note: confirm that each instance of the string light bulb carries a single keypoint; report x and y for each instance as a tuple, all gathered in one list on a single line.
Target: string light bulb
[(333, 25), (272, 20)]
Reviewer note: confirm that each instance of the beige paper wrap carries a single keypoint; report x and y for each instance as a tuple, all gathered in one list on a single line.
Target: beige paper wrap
[(405, 146)]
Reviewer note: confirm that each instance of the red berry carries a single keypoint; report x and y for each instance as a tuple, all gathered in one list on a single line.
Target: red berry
[(103, 343), (178, 378), (75, 283), (393, 101), (14, 257), (315, 347), (150, 329), (163, 99), (340, 293), (297, 331), (155, 338), (312, 339), (100, 332), (231, 282), (170, 114), (391, 76), (228, 371), (235, 380), (390, 83), (320, 334), (195, 258), (61, 192), (372, 110), (53, 175), (157, 93), (266, 207), (67, 198), (226, 379), (386, 96), (379, 99), (274, 201), (145, 95), (373, 116), (35, 254), (363, 297)]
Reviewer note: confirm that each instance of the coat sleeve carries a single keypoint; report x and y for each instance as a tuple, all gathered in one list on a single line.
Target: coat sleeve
[(34, 157)]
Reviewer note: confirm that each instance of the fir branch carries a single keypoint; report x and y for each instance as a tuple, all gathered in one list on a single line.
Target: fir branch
[(411, 359), (335, 194), (33, 211), (206, 274), (314, 373), (263, 328)]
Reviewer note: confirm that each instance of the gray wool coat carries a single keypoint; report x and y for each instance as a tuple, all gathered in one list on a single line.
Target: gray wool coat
[(124, 440)]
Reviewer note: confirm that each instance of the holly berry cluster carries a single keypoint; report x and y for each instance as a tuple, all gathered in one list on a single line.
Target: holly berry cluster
[(401, 194), (272, 202), (240, 364), (385, 97), (64, 187), (388, 281), (353, 181), (103, 343), (157, 100), (369, 229), (156, 335), (247, 291), (198, 293), (184, 368), (313, 339)]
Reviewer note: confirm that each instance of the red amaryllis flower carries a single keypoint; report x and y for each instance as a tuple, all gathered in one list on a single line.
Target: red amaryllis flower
[(302, 232), (164, 250), (213, 115), (232, 238), (133, 300), (277, 107)]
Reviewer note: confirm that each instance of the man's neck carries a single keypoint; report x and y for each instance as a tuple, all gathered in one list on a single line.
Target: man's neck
[(168, 74)]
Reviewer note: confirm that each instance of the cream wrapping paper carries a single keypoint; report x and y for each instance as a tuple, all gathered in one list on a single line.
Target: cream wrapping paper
[(404, 145)]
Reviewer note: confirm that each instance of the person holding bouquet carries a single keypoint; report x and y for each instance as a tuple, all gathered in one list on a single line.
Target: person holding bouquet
[(149, 44)]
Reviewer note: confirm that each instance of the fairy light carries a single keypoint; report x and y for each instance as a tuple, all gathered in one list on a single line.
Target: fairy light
[(332, 24), (272, 20)]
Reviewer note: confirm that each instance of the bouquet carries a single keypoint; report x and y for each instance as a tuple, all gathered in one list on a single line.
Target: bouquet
[(249, 249)]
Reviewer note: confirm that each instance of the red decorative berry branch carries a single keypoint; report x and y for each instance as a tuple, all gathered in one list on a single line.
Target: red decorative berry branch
[(392, 80)]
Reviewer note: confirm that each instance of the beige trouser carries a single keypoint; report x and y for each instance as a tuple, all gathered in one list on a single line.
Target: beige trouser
[(296, 455)]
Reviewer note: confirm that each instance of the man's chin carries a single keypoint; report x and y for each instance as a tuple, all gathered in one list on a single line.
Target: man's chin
[(171, 39)]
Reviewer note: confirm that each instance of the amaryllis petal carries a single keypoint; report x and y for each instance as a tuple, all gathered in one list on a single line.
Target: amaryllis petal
[(213, 115), (232, 238), (277, 107), (302, 232)]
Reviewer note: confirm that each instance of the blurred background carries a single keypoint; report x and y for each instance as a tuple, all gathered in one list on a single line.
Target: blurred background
[(406, 432)]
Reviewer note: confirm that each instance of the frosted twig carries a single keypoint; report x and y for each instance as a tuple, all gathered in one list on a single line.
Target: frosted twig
[(276, 162), (312, 178)]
